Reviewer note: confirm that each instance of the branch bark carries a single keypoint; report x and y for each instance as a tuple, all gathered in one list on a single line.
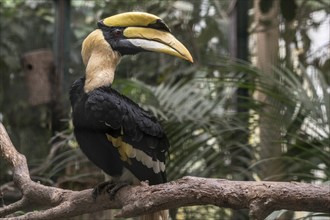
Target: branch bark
[(261, 198)]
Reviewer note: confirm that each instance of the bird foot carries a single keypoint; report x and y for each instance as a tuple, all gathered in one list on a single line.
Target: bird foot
[(100, 188), (109, 187)]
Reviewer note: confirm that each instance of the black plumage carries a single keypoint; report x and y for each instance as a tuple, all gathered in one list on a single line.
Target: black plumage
[(104, 118)]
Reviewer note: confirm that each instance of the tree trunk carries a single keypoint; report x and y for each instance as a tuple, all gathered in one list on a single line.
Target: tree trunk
[(266, 16)]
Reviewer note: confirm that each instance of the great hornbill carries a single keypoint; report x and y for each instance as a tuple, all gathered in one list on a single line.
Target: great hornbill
[(118, 136)]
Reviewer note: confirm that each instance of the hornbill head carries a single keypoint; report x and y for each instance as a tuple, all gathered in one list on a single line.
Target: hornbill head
[(122, 34), (133, 32)]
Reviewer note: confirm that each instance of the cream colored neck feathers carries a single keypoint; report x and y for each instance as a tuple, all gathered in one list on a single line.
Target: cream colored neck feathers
[(100, 60)]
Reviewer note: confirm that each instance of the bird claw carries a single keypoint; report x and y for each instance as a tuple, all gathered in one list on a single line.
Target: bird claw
[(109, 187), (116, 187), (100, 188)]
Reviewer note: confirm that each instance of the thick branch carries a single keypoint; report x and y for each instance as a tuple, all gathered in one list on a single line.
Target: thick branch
[(260, 197), (16, 160)]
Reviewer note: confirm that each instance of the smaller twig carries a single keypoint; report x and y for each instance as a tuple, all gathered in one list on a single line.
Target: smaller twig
[(14, 207), (45, 164)]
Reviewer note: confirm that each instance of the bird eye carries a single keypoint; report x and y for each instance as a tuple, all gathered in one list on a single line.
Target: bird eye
[(117, 33)]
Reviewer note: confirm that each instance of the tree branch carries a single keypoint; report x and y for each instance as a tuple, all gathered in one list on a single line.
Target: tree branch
[(260, 197)]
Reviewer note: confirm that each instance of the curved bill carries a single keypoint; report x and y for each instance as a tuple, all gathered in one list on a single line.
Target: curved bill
[(158, 41)]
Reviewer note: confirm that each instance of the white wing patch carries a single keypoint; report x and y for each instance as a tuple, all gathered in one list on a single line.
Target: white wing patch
[(127, 151)]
